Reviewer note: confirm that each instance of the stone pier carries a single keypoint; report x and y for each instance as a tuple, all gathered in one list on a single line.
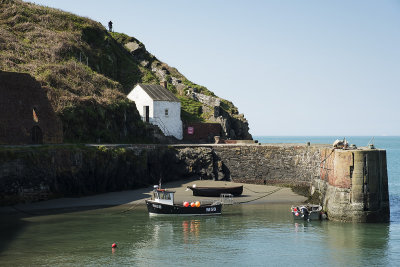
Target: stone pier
[(353, 185)]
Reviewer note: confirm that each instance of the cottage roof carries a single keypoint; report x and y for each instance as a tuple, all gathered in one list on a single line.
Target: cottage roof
[(159, 93)]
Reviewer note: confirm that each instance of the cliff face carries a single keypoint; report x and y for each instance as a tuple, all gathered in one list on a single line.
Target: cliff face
[(88, 71)]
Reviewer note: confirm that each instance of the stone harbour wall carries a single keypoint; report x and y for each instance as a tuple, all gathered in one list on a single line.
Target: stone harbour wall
[(351, 185), (268, 164), (43, 172)]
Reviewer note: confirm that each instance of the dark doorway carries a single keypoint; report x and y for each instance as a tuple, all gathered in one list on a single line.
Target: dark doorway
[(146, 111), (37, 136)]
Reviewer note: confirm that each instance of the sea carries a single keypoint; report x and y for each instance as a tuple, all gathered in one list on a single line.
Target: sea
[(244, 235)]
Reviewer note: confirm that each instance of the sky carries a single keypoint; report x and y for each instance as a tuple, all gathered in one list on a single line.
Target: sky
[(310, 67)]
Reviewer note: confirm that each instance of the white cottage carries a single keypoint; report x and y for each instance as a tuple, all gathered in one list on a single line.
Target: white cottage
[(158, 106)]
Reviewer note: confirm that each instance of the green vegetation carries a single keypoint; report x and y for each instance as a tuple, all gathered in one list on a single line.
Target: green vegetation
[(198, 88), (229, 107), (115, 152), (172, 88), (301, 189), (124, 39), (314, 198), (149, 77), (191, 110)]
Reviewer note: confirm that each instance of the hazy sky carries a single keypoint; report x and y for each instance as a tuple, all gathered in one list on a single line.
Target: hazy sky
[(292, 67)]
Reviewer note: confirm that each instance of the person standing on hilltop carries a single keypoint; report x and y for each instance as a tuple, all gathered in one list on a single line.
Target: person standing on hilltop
[(110, 26)]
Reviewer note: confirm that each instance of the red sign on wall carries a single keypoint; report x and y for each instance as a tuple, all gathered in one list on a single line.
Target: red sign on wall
[(190, 130)]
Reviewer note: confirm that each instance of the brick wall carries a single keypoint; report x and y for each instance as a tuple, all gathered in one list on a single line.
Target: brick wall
[(202, 132)]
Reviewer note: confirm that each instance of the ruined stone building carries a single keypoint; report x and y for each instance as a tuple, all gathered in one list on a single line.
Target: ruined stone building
[(26, 115)]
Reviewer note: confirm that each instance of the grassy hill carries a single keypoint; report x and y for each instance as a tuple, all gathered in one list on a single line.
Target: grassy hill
[(88, 71)]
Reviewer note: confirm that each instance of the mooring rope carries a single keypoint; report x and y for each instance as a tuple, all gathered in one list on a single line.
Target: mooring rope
[(133, 206), (324, 163), (23, 211), (327, 156), (269, 193), (252, 190)]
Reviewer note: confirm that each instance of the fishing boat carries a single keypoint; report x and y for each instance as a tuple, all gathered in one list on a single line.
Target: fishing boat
[(216, 191), (307, 212), (162, 202)]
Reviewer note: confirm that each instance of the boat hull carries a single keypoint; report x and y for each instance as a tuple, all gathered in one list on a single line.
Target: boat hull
[(307, 213), (156, 208), (313, 216), (216, 191)]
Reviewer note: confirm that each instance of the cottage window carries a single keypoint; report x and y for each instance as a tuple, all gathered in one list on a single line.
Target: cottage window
[(166, 112)]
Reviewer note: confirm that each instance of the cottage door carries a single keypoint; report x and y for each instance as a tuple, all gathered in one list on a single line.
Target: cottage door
[(146, 114), (37, 136)]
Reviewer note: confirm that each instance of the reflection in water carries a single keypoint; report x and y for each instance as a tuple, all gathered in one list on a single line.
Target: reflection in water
[(246, 235), (250, 234), (10, 228), (297, 227), (367, 243), (191, 230), (344, 243)]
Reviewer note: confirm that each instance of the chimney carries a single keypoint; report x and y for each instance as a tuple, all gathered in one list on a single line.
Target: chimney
[(164, 84)]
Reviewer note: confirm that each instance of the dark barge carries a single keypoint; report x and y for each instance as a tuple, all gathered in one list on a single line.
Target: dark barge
[(216, 191)]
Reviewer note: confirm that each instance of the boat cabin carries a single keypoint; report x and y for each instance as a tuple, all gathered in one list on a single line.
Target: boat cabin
[(163, 196)]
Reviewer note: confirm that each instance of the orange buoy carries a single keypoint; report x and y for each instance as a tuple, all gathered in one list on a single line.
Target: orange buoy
[(193, 204), (197, 204), (186, 204)]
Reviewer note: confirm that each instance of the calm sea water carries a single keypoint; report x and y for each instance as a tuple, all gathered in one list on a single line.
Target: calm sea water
[(246, 235)]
